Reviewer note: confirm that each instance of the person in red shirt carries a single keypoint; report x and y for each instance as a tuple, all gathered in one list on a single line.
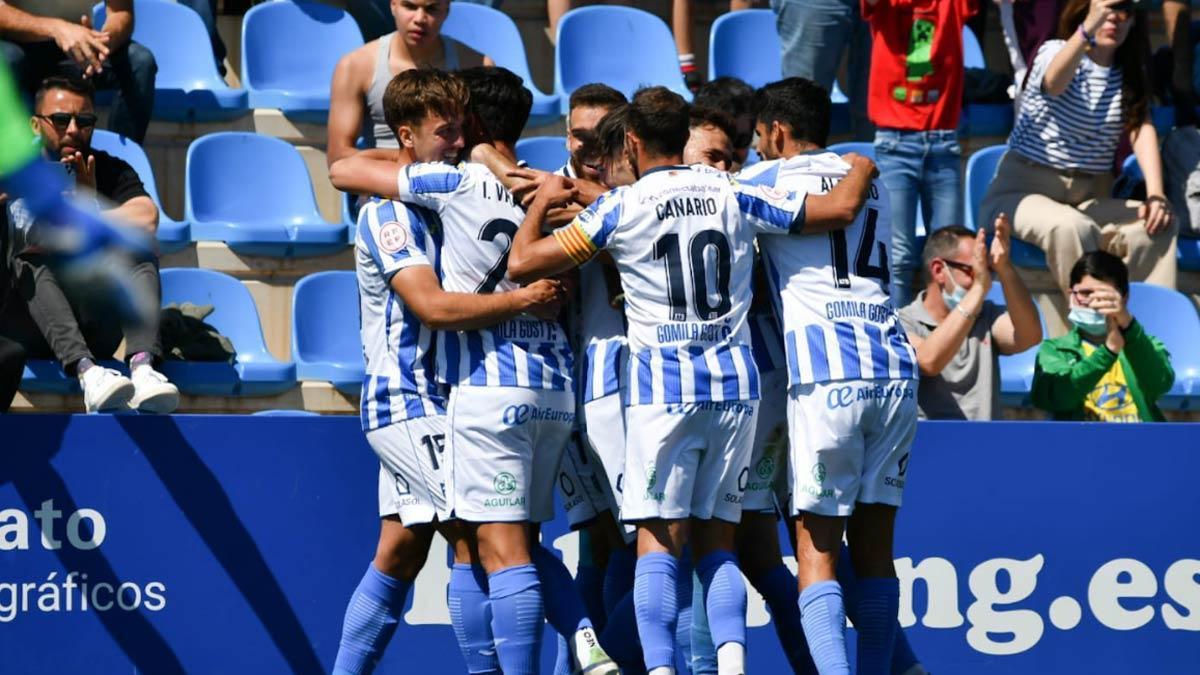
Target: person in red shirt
[(914, 98)]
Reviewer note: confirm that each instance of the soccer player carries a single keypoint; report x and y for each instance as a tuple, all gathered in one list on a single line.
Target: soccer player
[(852, 398), (397, 250), (682, 239), (511, 410)]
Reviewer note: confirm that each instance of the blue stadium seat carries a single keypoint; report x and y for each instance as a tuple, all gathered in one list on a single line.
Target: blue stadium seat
[(752, 158), (745, 45), (289, 51), (1016, 371), (188, 87), (1189, 254), (172, 235), (548, 153), (255, 372), (324, 345), (46, 376), (622, 47), (1171, 317), (491, 32), (981, 170), (982, 119), (861, 147), (254, 193)]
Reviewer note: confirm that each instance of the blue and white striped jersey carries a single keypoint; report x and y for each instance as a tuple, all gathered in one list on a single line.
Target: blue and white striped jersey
[(683, 241), (479, 220), (398, 348), (766, 340), (831, 288)]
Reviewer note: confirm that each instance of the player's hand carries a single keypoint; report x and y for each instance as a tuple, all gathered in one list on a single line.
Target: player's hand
[(980, 269), (1002, 244), (562, 215), (83, 168), (88, 48), (556, 191), (854, 159), (528, 182), (1156, 212), (545, 298)]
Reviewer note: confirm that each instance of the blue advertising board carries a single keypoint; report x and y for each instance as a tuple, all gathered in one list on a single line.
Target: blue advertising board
[(223, 544)]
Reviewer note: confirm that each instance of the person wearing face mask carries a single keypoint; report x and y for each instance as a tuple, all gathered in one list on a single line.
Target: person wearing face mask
[(1108, 368), (958, 334)]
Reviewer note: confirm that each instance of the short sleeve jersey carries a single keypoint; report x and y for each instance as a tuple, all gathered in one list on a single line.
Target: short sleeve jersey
[(830, 288), (683, 241), (479, 219), (398, 348)]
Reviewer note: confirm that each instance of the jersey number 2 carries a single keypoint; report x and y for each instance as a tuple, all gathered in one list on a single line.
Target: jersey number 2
[(490, 230), (668, 250), (862, 260)]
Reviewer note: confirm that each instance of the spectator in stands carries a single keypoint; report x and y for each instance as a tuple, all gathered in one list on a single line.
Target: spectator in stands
[(1108, 368), (915, 100), (815, 34), (736, 98), (1084, 92), (62, 42), (356, 97), (958, 333), (74, 328), (12, 354), (710, 139), (374, 17)]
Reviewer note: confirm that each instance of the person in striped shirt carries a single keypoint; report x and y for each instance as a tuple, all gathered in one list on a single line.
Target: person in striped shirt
[(852, 407), (398, 251), (682, 239)]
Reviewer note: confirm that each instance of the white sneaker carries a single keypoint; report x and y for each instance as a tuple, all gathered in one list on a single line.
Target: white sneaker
[(105, 390), (589, 658), (154, 392)]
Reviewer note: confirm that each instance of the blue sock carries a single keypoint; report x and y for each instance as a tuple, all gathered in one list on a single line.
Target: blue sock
[(589, 583), (618, 577), (656, 605), (471, 616), (903, 656), (683, 594), (564, 608), (878, 601), (517, 616), (724, 597), (704, 653), (778, 587), (371, 619), (620, 637), (562, 657), (824, 617)]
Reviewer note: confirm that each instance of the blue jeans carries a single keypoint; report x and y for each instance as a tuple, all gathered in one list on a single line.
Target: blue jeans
[(918, 167), (814, 34)]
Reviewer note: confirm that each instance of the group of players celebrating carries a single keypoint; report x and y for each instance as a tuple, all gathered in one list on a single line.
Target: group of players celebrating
[(684, 351)]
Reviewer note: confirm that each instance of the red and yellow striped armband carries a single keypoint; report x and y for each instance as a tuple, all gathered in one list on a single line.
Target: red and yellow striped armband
[(575, 242)]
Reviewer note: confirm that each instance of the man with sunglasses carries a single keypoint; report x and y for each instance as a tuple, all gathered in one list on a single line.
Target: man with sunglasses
[(71, 326), (957, 332)]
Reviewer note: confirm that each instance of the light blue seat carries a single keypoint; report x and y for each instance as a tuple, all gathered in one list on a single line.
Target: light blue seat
[(491, 32), (1016, 371), (745, 45), (860, 147), (548, 153), (325, 343), (289, 51), (981, 170), (188, 86), (46, 376), (982, 119), (622, 47), (1189, 254), (253, 192), (172, 235), (1171, 317), (255, 372)]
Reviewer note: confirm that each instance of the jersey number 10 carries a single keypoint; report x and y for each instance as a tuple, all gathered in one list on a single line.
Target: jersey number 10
[(668, 249)]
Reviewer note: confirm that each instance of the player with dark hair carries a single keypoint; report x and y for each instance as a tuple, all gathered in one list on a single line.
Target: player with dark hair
[(735, 98)]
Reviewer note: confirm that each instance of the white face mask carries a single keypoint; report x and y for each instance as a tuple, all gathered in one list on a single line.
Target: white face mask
[(952, 299), (1088, 320)]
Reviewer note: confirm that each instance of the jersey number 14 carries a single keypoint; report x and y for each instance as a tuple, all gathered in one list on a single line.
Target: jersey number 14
[(862, 259)]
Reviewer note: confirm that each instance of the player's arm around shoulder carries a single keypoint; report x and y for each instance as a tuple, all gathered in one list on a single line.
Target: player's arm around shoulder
[(839, 207), (535, 256)]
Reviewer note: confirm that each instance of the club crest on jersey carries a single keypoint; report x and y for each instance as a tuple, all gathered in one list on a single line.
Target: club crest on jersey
[(392, 237), (771, 192)]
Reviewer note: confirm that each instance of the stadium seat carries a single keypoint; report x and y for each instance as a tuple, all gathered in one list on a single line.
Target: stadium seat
[(623, 47), (46, 376), (188, 87), (253, 192), (172, 235), (289, 51), (491, 32), (729, 52), (1016, 371), (1189, 254), (1171, 317), (982, 119), (324, 345), (548, 153), (861, 147), (255, 372), (981, 169)]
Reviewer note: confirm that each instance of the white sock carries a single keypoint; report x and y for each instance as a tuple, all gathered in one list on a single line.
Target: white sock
[(731, 659), (582, 643), (662, 670)]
